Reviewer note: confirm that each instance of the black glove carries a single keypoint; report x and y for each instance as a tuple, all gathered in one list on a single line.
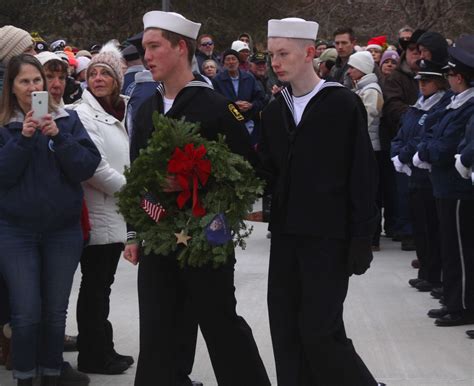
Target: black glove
[(359, 256)]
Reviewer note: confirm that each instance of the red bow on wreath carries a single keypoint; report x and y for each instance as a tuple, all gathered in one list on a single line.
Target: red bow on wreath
[(189, 165)]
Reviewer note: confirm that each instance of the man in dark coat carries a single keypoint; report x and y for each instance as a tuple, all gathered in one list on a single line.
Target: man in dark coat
[(243, 89), (319, 160), (344, 40), (400, 90), (165, 290)]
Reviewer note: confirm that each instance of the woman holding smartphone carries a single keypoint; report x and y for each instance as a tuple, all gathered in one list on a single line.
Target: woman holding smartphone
[(102, 111), (42, 165)]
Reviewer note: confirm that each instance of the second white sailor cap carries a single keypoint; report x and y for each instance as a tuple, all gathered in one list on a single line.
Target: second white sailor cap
[(293, 27)]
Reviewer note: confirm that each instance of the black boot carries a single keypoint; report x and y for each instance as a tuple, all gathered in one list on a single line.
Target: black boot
[(47, 380), (25, 382)]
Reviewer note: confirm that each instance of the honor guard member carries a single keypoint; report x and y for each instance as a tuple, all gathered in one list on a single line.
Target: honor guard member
[(465, 165), (316, 146), (169, 41), (422, 115), (454, 194)]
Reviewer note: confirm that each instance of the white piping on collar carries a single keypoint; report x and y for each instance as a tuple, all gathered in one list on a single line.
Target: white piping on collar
[(289, 98), (193, 83), (459, 99), (427, 104)]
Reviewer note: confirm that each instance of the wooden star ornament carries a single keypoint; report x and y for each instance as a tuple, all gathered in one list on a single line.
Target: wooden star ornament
[(182, 238)]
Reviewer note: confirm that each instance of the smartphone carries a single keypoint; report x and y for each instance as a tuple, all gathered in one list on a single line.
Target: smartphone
[(39, 104)]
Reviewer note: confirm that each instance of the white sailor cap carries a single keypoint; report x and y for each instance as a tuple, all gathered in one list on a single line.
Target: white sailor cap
[(293, 27), (171, 21)]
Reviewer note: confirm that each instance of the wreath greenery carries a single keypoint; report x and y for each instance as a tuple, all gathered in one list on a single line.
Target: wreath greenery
[(231, 189)]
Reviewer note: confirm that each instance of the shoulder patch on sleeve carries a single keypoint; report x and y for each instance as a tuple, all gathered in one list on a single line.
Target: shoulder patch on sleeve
[(235, 112)]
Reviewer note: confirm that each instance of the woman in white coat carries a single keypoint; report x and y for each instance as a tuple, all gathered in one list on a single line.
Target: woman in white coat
[(361, 71), (102, 112)]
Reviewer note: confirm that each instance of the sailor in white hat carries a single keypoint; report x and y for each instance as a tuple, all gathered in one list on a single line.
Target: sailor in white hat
[(323, 212), (166, 351)]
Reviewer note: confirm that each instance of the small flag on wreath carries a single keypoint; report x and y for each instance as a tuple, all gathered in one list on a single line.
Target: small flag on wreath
[(152, 207), (218, 231)]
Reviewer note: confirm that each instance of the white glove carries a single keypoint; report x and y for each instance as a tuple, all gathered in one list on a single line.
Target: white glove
[(406, 169), (420, 164), (462, 170), (397, 164)]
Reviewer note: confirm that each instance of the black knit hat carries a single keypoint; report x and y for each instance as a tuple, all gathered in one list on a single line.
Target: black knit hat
[(230, 52), (437, 45)]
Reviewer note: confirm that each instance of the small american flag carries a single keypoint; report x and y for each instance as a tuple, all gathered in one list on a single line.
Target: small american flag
[(152, 207)]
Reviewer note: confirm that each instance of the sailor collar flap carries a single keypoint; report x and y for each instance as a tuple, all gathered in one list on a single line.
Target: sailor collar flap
[(287, 97), (196, 82)]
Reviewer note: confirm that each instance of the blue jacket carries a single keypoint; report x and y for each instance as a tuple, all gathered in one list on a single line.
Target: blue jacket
[(439, 145), (129, 79), (414, 122), (40, 176), (466, 147), (249, 90), (144, 88)]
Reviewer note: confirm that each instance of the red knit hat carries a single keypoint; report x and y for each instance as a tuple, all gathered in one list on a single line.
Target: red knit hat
[(377, 42)]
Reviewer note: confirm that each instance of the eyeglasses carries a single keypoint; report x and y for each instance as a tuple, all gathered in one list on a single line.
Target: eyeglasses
[(207, 44)]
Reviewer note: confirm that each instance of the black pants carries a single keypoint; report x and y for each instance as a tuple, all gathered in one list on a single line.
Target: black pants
[(98, 267), (307, 286), (4, 303), (404, 225), (456, 218), (426, 234), (164, 289)]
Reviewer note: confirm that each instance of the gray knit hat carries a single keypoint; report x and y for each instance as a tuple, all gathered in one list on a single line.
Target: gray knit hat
[(13, 41)]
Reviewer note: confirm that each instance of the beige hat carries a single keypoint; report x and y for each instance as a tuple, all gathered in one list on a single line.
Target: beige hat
[(292, 27), (238, 46), (13, 41), (46, 56), (171, 21), (111, 58), (327, 54), (84, 53)]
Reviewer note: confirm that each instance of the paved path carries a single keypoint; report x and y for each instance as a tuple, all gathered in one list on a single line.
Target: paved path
[(385, 318)]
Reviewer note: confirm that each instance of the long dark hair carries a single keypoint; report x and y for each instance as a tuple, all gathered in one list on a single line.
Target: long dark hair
[(8, 100)]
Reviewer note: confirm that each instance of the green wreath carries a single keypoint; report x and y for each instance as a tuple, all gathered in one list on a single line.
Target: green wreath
[(229, 192)]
